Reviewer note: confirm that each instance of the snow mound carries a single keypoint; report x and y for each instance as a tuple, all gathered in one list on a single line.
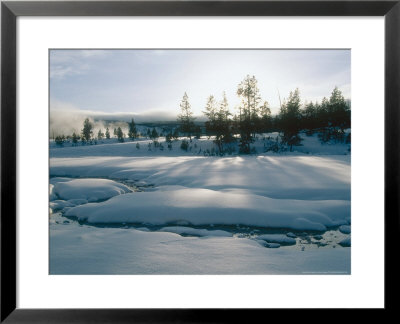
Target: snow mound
[(52, 195), (345, 229), (280, 177), (204, 207), (194, 231), (89, 189), (277, 238), (95, 250), (346, 242), (57, 205), (272, 245), (77, 202)]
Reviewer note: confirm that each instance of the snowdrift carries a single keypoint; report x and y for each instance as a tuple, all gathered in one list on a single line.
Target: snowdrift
[(282, 177), (87, 189), (204, 207)]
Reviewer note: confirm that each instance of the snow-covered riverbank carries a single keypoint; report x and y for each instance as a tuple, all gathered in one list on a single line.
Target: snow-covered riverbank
[(182, 205)]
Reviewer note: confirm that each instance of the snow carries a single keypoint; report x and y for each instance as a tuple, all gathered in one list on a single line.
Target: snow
[(346, 242), (281, 177), (194, 231), (272, 245), (56, 205), (345, 229), (53, 196), (111, 147), (78, 249), (173, 220), (88, 189), (277, 238), (204, 206)]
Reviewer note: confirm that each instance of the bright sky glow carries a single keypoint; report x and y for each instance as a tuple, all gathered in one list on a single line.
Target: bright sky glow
[(154, 81)]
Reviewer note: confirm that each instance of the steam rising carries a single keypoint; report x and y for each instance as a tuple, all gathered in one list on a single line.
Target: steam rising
[(67, 121)]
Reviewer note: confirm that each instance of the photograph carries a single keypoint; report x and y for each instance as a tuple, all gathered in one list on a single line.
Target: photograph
[(168, 161)]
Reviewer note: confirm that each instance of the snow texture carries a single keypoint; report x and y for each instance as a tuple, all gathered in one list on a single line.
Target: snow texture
[(89, 250), (277, 238), (89, 189), (345, 229), (346, 242), (204, 206), (305, 190), (194, 231)]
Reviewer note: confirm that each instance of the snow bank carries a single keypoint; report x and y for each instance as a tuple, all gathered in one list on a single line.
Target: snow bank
[(56, 205), (281, 177), (88, 189), (194, 231), (346, 242), (52, 195), (204, 206), (63, 205), (277, 238), (272, 245), (345, 229), (111, 147), (78, 249)]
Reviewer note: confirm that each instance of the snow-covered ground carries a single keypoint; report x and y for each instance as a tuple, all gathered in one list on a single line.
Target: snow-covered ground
[(119, 209)]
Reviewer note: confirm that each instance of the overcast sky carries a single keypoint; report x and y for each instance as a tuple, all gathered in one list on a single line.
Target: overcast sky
[(152, 81)]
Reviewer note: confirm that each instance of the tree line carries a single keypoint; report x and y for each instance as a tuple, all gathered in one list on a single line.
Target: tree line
[(329, 118), (87, 134)]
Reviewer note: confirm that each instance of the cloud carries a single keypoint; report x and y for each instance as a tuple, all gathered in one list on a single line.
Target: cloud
[(73, 62)]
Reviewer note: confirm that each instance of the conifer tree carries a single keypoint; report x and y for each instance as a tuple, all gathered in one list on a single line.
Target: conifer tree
[(87, 130), (132, 133), (265, 121), (290, 118), (154, 135), (186, 117), (107, 133), (223, 127), (309, 115), (120, 134), (248, 111), (338, 111), (75, 138), (211, 114), (100, 135)]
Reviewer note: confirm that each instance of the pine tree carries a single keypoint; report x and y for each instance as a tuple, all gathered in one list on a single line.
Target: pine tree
[(100, 135), (75, 138), (309, 115), (218, 123), (265, 121), (168, 138), (186, 117), (60, 140), (107, 133), (211, 114), (87, 130), (290, 118), (248, 112), (154, 134), (132, 133), (120, 134), (223, 125), (338, 111)]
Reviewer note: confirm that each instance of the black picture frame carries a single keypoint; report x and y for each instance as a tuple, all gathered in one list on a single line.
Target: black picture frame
[(10, 10)]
